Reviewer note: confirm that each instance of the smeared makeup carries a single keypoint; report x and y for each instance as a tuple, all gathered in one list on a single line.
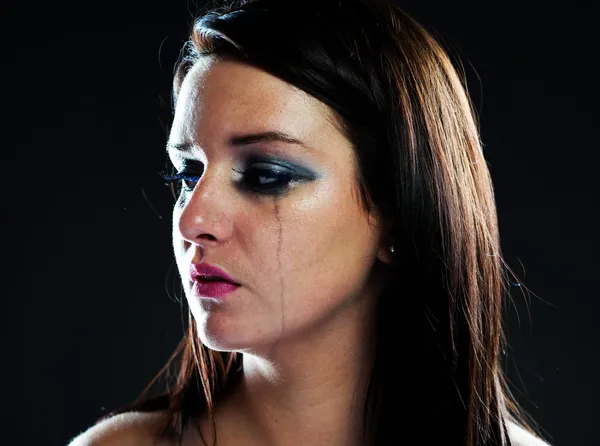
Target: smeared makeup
[(276, 210)]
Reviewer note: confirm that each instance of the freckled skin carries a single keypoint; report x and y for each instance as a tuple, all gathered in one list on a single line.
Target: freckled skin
[(310, 260), (300, 257)]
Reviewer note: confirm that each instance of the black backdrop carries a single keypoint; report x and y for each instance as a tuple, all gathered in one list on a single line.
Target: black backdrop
[(89, 318)]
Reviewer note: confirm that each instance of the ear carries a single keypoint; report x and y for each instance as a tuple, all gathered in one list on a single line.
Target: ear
[(384, 253)]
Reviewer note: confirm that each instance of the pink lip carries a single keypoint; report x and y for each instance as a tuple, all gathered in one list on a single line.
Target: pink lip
[(202, 288), (205, 269), (205, 288)]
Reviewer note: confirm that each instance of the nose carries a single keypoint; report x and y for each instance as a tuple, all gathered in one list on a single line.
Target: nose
[(204, 216)]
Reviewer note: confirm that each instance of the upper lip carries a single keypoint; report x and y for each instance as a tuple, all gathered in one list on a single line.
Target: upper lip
[(204, 269)]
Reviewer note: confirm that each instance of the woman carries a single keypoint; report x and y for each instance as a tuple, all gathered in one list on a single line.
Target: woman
[(335, 232)]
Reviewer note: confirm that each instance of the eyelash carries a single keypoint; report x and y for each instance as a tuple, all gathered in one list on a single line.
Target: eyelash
[(177, 181)]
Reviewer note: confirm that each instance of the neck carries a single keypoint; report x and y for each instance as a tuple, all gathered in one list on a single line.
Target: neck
[(310, 389)]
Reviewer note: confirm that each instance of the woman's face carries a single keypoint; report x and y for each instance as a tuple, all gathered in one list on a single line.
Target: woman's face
[(281, 218)]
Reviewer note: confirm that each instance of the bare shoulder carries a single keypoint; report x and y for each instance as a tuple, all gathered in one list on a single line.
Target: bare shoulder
[(128, 429), (522, 437)]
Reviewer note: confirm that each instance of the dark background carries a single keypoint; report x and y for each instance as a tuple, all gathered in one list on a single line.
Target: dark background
[(88, 88)]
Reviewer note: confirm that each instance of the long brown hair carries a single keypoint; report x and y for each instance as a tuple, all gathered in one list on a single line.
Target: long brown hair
[(419, 161)]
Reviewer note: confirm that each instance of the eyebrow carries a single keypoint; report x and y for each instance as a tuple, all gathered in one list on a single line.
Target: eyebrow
[(243, 140)]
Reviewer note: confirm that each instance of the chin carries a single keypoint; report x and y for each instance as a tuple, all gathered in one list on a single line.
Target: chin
[(221, 332)]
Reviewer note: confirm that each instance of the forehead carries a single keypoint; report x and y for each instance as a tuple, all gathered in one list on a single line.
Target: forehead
[(221, 97)]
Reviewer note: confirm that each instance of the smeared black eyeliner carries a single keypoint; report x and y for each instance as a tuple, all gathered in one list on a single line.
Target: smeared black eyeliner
[(283, 172), (295, 169)]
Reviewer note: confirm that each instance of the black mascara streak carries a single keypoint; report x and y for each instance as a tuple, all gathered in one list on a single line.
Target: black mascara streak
[(279, 243), (150, 204)]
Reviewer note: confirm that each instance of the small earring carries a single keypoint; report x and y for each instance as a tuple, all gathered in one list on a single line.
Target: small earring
[(392, 249)]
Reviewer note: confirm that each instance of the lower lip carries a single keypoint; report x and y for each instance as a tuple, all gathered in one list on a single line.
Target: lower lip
[(213, 288)]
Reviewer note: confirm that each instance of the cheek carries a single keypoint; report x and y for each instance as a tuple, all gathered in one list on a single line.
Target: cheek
[(176, 236), (326, 222), (180, 246), (330, 245)]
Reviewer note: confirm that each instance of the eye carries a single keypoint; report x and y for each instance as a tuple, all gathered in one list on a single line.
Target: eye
[(264, 178), (181, 181), (184, 180), (267, 179)]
